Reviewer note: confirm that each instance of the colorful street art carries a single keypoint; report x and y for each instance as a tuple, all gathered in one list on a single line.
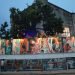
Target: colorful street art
[(8, 48), (44, 47), (2, 50), (37, 45), (34, 45), (24, 46), (16, 46), (53, 64)]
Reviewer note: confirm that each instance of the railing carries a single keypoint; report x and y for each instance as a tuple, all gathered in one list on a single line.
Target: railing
[(48, 64), (38, 56)]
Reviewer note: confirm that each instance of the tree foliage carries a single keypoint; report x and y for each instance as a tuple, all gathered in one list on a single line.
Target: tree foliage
[(4, 32), (29, 17)]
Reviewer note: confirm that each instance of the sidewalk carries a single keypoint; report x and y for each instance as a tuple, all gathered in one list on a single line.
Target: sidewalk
[(61, 72)]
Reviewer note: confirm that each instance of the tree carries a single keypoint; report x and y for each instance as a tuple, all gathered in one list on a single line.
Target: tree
[(51, 23), (20, 22), (14, 18), (4, 32), (31, 16), (43, 12)]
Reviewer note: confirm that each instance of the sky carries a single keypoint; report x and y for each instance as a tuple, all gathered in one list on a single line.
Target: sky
[(5, 5)]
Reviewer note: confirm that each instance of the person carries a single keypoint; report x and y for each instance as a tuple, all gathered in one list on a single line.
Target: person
[(67, 47)]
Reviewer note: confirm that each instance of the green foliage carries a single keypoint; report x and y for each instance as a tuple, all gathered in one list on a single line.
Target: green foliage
[(4, 32), (15, 20), (29, 17)]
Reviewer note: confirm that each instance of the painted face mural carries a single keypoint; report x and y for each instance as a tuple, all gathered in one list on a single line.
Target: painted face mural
[(16, 46), (56, 44), (34, 45), (45, 45), (24, 46), (8, 45)]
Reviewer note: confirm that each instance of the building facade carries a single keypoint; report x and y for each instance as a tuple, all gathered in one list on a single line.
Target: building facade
[(67, 17)]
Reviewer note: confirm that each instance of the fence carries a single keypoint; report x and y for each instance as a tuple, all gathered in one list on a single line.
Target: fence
[(53, 64)]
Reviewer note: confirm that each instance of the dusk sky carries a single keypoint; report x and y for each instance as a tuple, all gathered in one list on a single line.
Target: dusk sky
[(5, 5)]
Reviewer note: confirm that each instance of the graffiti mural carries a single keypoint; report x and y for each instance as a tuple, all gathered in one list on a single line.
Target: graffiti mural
[(2, 51), (34, 45), (16, 46), (24, 46), (37, 45), (8, 49)]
